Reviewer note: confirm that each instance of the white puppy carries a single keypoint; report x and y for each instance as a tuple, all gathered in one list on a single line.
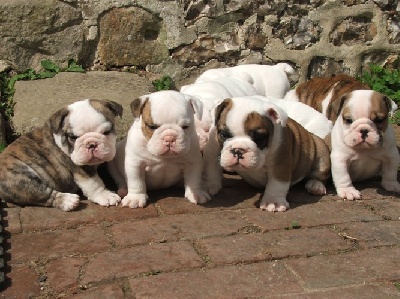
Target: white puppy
[(210, 92), (161, 149), (363, 143), (268, 80)]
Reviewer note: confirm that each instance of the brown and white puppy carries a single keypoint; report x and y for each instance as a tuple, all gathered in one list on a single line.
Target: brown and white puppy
[(324, 93), (363, 143), (161, 150), (256, 139), (46, 166)]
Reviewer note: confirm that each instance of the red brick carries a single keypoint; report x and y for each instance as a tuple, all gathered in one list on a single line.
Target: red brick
[(30, 247), (314, 214), (63, 273), (272, 245), (21, 282), (378, 291), (347, 268), (177, 227), (388, 209), (139, 260), (102, 292), (377, 233), (10, 220), (39, 218), (240, 281)]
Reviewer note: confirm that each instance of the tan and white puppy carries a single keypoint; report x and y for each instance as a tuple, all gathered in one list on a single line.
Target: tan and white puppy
[(210, 92), (363, 143), (46, 166), (161, 149), (268, 80), (256, 139)]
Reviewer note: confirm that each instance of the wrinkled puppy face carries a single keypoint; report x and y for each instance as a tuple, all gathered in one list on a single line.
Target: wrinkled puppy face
[(85, 130), (167, 121), (364, 118), (245, 131)]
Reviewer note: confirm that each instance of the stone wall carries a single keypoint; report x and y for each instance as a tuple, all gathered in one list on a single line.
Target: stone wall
[(183, 37)]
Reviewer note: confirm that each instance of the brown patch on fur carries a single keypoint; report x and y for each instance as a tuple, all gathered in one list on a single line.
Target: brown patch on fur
[(313, 92), (136, 107), (259, 128), (109, 109), (380, 109), (147, 120), (301, 155), (221, 113)]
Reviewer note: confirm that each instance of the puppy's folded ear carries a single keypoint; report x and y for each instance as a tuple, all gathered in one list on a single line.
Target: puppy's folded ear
[(333, 111), (219, 108), (276, 114), (137, 105), (114, 107), (197, 105), (56, 121)]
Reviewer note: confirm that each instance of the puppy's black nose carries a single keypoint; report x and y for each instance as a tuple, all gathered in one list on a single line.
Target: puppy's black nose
[(91, 146), (237, 152), (364, 133)]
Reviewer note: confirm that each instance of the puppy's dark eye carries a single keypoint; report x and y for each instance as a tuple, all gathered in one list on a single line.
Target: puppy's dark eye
[(224, 134), (107, 132), (72, 137), (379, 120), (348, 120), (185, 127), (152, 127)]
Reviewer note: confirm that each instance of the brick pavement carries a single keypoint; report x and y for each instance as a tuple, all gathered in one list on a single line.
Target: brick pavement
[(321, 248)]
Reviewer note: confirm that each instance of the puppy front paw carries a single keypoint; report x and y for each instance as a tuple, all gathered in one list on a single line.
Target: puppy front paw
[(393, 186), (274, 204), (134, 200), (199, 196), (67, 202), (315, 187), (349, 193), (106, 198)]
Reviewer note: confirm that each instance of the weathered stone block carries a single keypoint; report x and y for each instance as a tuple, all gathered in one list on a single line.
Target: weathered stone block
[(297, 33), (354, 30), (393, 27), (33, 30), (131, 36), (324, 66)]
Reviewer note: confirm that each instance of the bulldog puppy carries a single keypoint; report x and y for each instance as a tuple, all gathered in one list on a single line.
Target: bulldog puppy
[(210, 92), (323, 93), (161, 149), (267, 149), (268, 80), (362, 141), (46, 166)]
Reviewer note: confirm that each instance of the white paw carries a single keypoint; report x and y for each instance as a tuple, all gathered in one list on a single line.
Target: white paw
[(315, 187), (134, 200), (349, 193), (274, 204), (212, 188), (106, 198), (393, 186), (69, 202), (199, 196)]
